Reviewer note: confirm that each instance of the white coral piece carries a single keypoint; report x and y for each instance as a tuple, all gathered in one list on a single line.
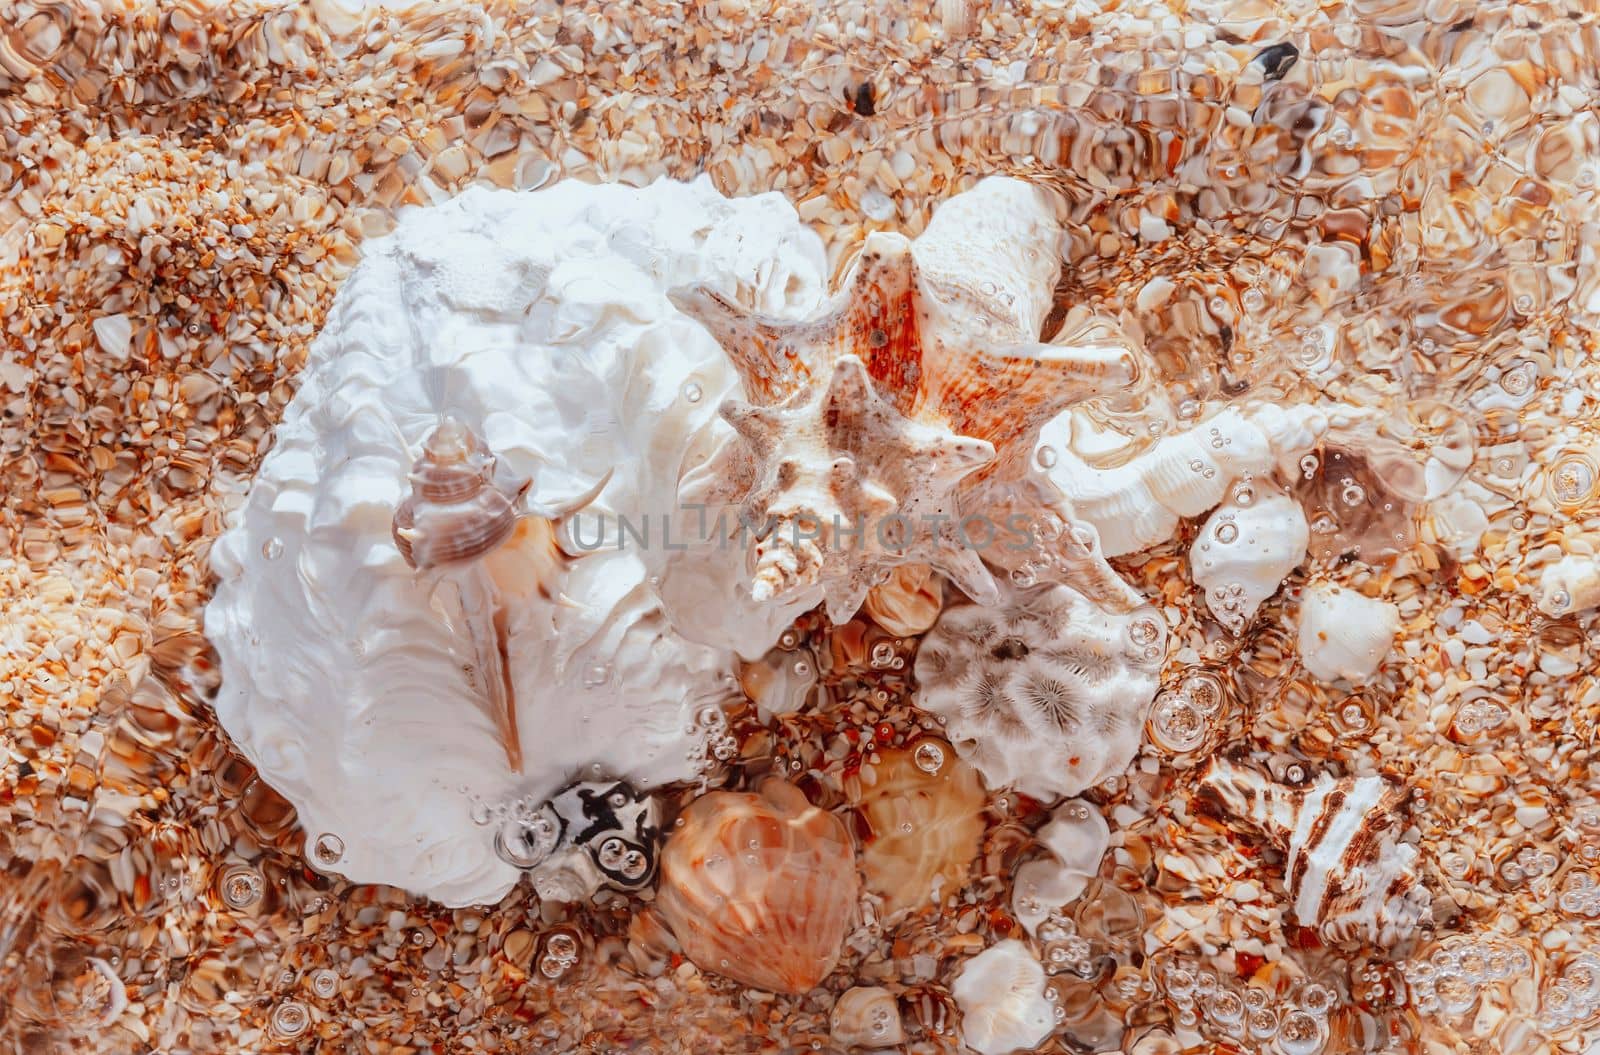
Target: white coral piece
[(1044, 692), (1245, 549), (1001, 993), (540, 319), (1076, 837), (1345, 634)]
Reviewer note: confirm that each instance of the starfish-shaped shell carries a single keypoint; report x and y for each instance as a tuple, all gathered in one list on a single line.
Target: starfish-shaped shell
[(911, 385)]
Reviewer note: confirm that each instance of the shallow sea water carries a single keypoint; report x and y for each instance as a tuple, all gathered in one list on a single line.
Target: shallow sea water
[(1382, 205)]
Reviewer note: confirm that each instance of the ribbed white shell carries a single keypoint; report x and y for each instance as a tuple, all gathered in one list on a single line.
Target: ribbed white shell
[(1244, 552)]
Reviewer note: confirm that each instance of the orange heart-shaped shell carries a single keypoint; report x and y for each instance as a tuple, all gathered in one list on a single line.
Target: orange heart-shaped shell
[(760, 888)]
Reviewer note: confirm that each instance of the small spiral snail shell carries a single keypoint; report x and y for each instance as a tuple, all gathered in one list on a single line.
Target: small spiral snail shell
[(459, 508)]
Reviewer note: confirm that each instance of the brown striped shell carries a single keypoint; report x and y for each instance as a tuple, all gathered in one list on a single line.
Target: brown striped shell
[(459, 508), (760, 888)]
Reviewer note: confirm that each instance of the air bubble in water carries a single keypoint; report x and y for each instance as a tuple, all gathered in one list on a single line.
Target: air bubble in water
[(929, 757), (692, 392), (1572, 480), (1024, 575), (596, 675), (1227, 531), (290, 1019), (1299, 1034), (1045, 456), (272, 549), (882, 655), (328, 849), (1353, 494), (1177, 726), (1308, 465), (325, 983), (242, 887)]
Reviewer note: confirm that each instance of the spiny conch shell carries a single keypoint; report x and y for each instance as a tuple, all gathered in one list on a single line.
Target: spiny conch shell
[(1076, 839), (1001, 993), (1137, 504), (1349, 875), (867, 1016), (924, 807), (760, 888), (1344, 634), (456, 513), (867, 421), (1245, 549), (1043, 692), (1570, 585), (909, 602)]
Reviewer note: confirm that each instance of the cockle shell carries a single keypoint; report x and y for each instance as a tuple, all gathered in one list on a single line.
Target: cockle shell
[(867, 1016), (864, 420), (1001, 993), (924, 807), (458, 509), (760, 888), (1571, 585), (1043, 692), (1344, 634), (1347, 872), (1245, 549), (1075, 840), (909, 602)]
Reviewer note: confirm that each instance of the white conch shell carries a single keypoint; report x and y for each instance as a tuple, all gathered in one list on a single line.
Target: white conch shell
[(1139, 503), (866, 1016), (1570, 585), (867, 422), (1044, 692), (1245, 549), (1344, 634), (1001, 993), (1076, 837), (1349, 875), (542, 319)]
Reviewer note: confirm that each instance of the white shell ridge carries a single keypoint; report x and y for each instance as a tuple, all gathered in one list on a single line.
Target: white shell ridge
[(1345, 634), (1045, 692), (1001, 993), (1245, 549)]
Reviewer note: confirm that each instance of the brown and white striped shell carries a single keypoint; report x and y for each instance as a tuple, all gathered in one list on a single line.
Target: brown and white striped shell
[(1346, 870), (760, 888), (460, 507)]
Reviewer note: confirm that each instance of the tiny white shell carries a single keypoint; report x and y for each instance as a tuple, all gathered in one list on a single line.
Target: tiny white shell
[(1571, 584), (867, 1016), (1001, 996), (1243, 553), (1344, 634)]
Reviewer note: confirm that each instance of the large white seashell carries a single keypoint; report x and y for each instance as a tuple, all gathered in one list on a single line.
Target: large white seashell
[(867, 1017), (1076, 837), (1245, 549), (1001, 993), (541, 318), (1344, 634), (1138, 504), (1044, 692), (1347, 872), (1570, 585), (865, 424)]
